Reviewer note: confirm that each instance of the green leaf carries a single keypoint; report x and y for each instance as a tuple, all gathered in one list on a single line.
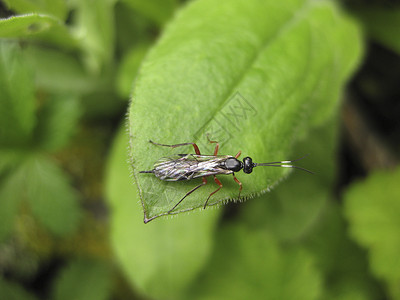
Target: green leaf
[(254, 83), (83, 280), (129, 68), (53, 201), (13, 291), (94, 26), (11, 195), (57, 122), (46, 188), (161, 258), (56, 8), (10, 158), (250, 264), (38, 27), (158, 11), (344, 264), (59, 72), (382, 24), (17, 105), (372, 207)]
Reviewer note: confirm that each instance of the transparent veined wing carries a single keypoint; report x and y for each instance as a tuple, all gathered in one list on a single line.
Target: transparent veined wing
[(189, 166)]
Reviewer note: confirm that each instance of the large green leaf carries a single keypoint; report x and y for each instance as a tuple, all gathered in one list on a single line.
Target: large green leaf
[(254, 74), (373, 209), (17, 99), (160, 259), (250, 264)]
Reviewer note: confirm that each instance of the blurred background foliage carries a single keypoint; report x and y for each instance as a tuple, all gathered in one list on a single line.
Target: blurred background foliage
[(70, 223)]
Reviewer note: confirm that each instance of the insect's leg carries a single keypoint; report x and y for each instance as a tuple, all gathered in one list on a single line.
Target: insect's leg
[(188, 193), (196, 149), (220, 186), (216, 146), (238, 154), (239, 183)]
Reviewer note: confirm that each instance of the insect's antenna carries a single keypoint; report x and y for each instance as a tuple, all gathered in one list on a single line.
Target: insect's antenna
[(284, 164), (151, 171)]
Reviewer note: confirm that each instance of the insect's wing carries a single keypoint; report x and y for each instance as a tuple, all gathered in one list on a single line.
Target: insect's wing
[(210, 165), (187, 166), (175, 167)]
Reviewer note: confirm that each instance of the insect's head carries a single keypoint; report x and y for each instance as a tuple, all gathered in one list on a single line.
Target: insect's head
[(248, 165)]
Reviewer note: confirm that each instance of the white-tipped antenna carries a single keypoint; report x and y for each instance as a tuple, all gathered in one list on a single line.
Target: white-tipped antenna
[(284, 164)]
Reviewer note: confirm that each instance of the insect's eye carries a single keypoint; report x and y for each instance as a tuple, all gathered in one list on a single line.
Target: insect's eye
[(248, 165), (233, 164)]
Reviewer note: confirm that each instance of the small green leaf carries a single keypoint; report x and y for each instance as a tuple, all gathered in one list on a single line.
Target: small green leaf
[(129, 68), (56, 8), (37, 27), (94, 27), (83, 280), (382, 24), (254, 83), (57, 121), (17, 105), (158, 11), (161, 258), (53, 201), (10, 158), (59, 72), (13, 291), (11, 195), (249, 264), (372, 207)]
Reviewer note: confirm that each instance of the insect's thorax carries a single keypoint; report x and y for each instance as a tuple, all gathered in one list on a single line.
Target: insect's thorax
[(189, 166)]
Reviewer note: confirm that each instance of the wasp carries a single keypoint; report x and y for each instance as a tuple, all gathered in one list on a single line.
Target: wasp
[(190, 166)]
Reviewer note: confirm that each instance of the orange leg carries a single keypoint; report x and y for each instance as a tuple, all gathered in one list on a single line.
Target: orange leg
[(220, 186), (239, 183), (188, 193), (238, 154), (216, 146)]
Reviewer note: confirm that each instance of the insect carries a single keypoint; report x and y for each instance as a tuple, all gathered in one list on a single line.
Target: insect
[(190, 166)]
